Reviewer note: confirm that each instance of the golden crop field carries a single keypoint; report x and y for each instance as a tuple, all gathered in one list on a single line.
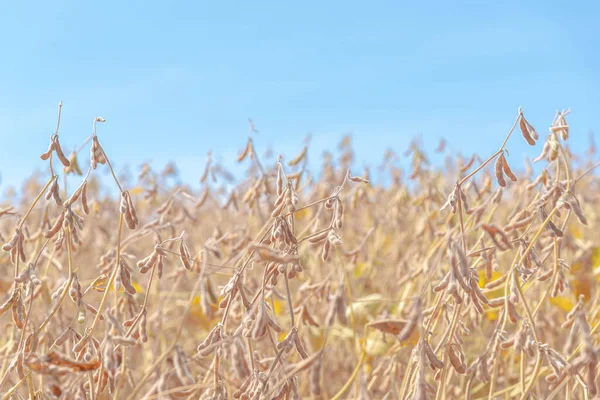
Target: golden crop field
[(475, 280)]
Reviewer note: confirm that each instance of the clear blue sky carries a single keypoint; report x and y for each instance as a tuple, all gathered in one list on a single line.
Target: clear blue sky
[(175, 79)]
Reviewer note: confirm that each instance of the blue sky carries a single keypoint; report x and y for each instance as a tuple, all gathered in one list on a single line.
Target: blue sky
[(176, 79)]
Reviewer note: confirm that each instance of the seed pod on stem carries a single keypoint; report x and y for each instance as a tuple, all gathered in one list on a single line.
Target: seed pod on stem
[(59, 153), (142, 327), (414, 319), (457, 358), (15, 247), (18, 310), (84, 202), (296, 160), (498, 171), (551, 228), (507, 170), (128, 210), (185, 256), (48, 153), (53, 192), (58, 224), (208, 345), (326, 251), (245, 151), (528, 131), (96, 154)]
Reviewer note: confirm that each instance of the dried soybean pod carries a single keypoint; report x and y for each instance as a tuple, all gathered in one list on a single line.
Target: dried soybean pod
[(319, 237), (326, 250), (455, 360), (339, 214), (17, 311), (62, 338), (142, 328), (298, 158), (81, 344), (436, 362), (132, 210), (244, 152), (498, 171), (56, 227), (84, 202), (279, 178), (525, 131), (48, 153), (512, 312), (185, 256), (7, 304), (507, 170), (202, 199), (61, 156)]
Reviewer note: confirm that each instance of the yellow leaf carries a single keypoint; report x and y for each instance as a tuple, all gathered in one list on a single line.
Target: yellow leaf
[(576, 267), (137, 287), (302, 214), (582, 286), (491, 314), (412, 340), (483, 281), (278, 307), (368, 366), (316, 337), (596, 256), (575, 231), (360, 269), (493, 294), (136, 190), (562, 302), (198, 316), (596, 262)]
